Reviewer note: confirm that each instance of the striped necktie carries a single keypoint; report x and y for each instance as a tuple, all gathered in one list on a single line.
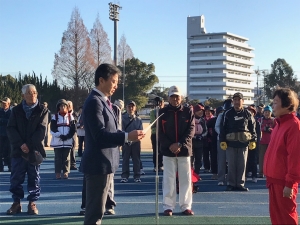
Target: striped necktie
[(109, 104)]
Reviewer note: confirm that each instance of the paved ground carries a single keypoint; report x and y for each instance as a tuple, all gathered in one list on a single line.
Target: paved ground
[(60, 201)]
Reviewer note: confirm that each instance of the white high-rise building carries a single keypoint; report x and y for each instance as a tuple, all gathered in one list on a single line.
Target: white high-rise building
[(218, 64)]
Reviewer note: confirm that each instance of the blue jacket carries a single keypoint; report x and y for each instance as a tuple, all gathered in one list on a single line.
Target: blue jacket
[(102, 137), (4, 116)]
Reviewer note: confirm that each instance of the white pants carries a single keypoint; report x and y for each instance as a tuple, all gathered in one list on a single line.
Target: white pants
[(171, 165)]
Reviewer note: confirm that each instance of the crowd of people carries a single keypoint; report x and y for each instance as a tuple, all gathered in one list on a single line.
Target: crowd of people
[(232, 142)]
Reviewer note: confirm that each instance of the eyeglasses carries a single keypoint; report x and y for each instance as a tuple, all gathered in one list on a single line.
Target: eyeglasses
[(32, 93)]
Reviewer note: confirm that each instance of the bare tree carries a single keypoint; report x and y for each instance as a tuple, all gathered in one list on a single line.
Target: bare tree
[(100, 44), (74, 64), (124, 51)]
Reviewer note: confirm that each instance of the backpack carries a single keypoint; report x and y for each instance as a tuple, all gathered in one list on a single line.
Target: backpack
[(198, 127)]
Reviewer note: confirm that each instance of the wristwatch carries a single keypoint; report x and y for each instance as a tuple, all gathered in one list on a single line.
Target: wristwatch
[(179, 144)]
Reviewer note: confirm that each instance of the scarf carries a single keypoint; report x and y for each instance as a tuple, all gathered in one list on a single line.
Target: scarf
[(29, 109)]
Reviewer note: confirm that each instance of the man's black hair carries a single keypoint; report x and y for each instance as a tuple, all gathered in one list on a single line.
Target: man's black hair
[(105, 71)]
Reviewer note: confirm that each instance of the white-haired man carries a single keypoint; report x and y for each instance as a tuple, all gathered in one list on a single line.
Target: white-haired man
[(26, 130)]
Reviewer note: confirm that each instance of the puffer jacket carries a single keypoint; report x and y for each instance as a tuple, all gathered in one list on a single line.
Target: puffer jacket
[(62, 125), (176, 125)]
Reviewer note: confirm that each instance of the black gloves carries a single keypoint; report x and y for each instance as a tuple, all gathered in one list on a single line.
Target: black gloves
[(63, 137)]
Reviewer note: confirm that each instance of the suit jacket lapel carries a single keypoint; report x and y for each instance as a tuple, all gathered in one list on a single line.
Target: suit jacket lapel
[(105, 104)]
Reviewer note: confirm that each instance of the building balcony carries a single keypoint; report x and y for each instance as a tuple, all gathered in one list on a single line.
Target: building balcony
[(221, 40), (222, 84), (222, 49), (222, 58), (223, 75), (219, 92), (222, 66)]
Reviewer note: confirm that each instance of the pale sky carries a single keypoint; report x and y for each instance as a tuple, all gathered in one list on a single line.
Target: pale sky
[(31, 31)]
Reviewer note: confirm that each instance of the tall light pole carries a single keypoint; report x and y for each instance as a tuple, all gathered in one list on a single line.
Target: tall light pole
[(114, 16), (123, 75)]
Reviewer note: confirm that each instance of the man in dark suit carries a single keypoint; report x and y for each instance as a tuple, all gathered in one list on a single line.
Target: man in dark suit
[(102, 137)]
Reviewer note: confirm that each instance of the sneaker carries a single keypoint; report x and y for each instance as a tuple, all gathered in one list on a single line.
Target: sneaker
[(32, 209), (221, 183), (14, 209), (57, 176), (137, 180), (254, 180), (241, 188), (161, 169), (124, 180), (142, 172), (206, 171), (109, 212), (168, 212), (82, 212), (154, 169), (188, 212)]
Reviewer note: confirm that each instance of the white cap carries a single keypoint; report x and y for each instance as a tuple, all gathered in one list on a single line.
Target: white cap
[(174, 90), (6, 100)]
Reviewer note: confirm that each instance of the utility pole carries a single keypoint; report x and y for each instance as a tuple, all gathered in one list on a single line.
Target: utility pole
[(123, 75), (114, 16), (257, 91)]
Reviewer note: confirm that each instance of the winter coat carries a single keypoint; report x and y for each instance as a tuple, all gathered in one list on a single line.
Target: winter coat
[(281, 161), (176, 125), (30, 131), (4, 116), (62, 125)]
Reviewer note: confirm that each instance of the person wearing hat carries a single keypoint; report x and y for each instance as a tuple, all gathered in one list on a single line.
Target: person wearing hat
[(197, 141), (5, 112), (207, 144), (237, 134), (259, 110), (266, 124), (176, 129), (62, 128), (131, 149), (222, 162), (281, 161), (26, 130), (211, 123), (160, 104), (251, 168)]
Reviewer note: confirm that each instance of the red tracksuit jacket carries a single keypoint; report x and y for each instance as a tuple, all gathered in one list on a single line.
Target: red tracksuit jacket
[(282, 158)]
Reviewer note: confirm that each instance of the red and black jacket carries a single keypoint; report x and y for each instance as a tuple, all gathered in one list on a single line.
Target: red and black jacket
[(176, 125)]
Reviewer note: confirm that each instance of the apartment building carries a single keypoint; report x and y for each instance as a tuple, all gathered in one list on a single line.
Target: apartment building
[(218, 64)]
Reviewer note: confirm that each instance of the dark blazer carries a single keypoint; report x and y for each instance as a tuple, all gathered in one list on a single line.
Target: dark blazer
[(102, 137), (20, 130)]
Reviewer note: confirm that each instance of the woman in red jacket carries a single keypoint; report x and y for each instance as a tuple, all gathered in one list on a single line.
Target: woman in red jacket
[(281, 162)]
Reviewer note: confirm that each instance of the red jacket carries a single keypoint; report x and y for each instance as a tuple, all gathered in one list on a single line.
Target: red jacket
[(282, 159), (266, 127)]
